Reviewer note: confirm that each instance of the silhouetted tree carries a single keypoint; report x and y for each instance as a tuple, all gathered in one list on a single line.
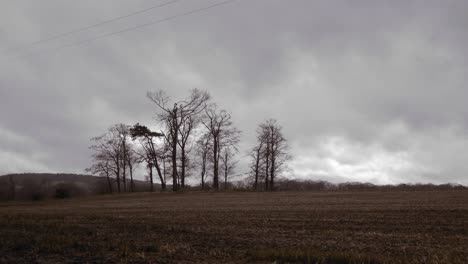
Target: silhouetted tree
[(123, 133), (256, 164), (175, 117), (276, 152), (108, 149), (151, 151), (270, 155), (185, 133), (203, 150), (222, 134), (132, 160), (101, 166), (228, 163)]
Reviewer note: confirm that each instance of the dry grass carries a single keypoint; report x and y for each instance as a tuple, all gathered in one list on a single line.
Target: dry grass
[(322, 227)]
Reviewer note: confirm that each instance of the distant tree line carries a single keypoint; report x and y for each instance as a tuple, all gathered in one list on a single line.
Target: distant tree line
[(60, 186), (310, 185), (194, 138)]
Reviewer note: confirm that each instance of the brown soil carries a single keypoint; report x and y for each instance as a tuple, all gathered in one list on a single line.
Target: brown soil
[(294, 227)]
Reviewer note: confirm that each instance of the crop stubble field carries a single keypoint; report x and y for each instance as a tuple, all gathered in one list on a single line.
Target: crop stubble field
[(328, 227)]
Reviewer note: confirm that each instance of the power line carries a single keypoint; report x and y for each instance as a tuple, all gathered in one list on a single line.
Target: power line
[(79, 43), (64, 34)]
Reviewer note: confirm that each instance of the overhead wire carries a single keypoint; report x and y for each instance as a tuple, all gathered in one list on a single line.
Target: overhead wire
[(78, 30), (85, 41)]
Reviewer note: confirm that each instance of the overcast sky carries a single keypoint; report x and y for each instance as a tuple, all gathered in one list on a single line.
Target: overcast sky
[(371, 91)]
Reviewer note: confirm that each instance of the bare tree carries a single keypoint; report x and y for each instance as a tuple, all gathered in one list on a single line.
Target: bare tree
[(123, 132), (275, 153), (256, 165), (108, 153), (132, 160), (166, 158), (175, 117), (228, 164), (152, 153), (102, 167), (223, 134), (267, 153), (185, 133), (203, 149)]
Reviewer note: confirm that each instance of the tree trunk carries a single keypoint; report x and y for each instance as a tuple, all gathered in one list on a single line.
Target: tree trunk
[(267, 171), (132, 186), (226, 167), (182, 175), (256, 180), (174, 159), (118, 178), (124, 166), (215, 165), (225, 180), (273, 160), (158, 169), (272, 173), (164, 173), (203, 170), (202, 181), (124, 180), (109, 182), (257, 168), (151, 177)]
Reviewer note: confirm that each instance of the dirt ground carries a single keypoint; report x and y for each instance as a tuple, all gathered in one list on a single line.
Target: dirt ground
[(242, 227)]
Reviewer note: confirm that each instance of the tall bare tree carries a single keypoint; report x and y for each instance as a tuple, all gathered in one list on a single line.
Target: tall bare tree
[(275, 153), (228, 163), (185, 133), (152, 152), (256, 165), (133, 160), (267, 153), (125, 149), (109, 155), (203, 151), (223, 134), (175, 116), (102, 167)]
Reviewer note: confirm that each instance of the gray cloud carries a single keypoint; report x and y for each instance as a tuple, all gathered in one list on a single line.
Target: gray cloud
[(368, 90)]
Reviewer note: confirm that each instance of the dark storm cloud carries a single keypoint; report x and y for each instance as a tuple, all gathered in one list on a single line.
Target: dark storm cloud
[(365, 90)]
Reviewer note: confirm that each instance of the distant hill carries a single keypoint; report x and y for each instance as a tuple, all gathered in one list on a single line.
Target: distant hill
[(47, 185), (53, 177)]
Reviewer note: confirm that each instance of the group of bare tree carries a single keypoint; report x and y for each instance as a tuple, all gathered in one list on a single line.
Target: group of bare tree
[(191, 134), (269, 156), (151, 152), (115, 158), (222, 139), (179, 121)]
